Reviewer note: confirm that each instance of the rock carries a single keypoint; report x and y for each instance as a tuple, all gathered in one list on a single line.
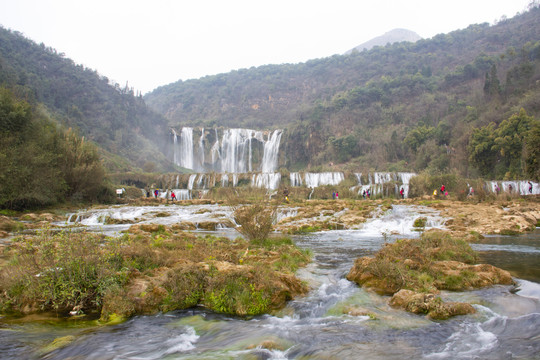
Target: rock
[(361, 274), (7, 224), (358, 311), (434, 307), (184, 225), (444, 311), (401, 298), (471, 276), (207, 225), (145, 228)]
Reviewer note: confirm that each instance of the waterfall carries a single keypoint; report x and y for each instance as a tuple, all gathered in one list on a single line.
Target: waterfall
[(201, 150), (234, 152), (520, 187), (224, 180), (269, 181), (215, 151), (296, 179), (270, 156), (186, 148), (313, 180), (191, 181), (405, 179), (235, 145)]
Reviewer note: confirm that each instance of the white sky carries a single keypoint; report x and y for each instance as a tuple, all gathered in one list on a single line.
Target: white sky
[(156, 42)]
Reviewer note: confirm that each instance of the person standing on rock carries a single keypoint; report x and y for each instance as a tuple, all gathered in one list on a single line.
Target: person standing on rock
[(173, 196), (402, 193)]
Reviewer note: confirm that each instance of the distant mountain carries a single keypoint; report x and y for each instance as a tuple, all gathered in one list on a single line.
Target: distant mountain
[(406, 106), (393, 36)]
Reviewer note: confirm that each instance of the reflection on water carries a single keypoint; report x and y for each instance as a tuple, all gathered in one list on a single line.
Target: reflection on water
[(318, 326), (520, 255)]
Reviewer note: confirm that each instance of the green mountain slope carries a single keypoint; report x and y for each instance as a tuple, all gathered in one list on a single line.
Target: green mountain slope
[(407, 106), (78, 97)]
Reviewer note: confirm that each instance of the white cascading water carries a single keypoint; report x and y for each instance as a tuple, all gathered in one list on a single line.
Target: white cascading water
[(186, 148), (232, 154), (269, 181), (270, 156), (191, 181), (175, 141), (521, 187), (224, 180), (313, 180), (215, 150), (296, 179), (201, 151), (405, 178)]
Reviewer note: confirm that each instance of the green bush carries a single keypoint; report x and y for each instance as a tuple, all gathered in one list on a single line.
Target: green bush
[(60, 272)]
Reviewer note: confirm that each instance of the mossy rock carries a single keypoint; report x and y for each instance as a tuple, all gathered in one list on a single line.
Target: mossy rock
[(58, 343), (420, 222)]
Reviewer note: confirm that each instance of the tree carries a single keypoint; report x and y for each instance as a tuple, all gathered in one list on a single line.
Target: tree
[(418, 136), (81, 167), (509, 142), (492, 85), (480, 148), (532, 151)]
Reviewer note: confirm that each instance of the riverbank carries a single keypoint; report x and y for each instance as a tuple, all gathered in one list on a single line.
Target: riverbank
[(145, 278), (151, 268)]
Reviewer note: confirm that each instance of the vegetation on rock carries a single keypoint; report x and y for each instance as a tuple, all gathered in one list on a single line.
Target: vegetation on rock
[(146, 272), (435, 261)]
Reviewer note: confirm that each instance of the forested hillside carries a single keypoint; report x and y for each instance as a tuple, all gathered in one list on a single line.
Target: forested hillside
[(77, 97), (407, 106)]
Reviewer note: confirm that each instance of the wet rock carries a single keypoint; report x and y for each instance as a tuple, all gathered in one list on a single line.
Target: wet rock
[(470, 276), (362, 274), (148, 228), (207, 225), (7, 224), (434, 307), (358, 311), (184, 225)]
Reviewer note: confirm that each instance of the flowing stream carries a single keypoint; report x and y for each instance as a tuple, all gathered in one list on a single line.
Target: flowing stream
[(317, 326)]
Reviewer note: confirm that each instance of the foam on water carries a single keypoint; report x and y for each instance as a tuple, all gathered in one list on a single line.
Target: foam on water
[(183, 342), (400, 220), (469, 342)]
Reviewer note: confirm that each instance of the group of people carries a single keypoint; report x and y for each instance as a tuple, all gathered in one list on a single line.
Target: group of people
[(156, 194), (367, 193), (335, 195)]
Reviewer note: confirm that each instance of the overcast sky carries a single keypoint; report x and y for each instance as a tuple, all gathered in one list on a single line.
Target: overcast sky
[(156, 42)]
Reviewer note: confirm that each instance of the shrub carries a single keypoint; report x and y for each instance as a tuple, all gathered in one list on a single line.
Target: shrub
[(60, 272), (255, 221)]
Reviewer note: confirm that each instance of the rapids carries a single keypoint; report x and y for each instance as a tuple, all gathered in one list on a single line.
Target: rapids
[(317, 326)]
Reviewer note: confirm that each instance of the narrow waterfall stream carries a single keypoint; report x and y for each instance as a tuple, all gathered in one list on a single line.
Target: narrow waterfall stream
[(318, 326)]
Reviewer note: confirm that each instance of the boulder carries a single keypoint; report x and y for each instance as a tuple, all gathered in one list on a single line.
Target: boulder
[(434, 307)]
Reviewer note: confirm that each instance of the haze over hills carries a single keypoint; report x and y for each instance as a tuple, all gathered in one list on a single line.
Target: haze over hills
[(392, 36), (406, 106)]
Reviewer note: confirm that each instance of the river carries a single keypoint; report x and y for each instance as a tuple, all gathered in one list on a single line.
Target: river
[(317, 326)]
